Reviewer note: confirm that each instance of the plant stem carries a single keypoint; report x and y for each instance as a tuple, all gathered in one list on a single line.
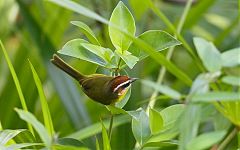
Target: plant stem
[(228, 139), (169, 54), (110, 127)]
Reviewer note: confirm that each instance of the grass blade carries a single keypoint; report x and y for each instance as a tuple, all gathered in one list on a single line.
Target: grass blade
[(46, 113), (17, 84)]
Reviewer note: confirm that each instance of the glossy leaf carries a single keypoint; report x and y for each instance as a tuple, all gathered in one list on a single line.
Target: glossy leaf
[(140, 128), (163, 89), (75, 49), (6, 135), (105, 53), (128, 58), (106, 142), (216, 96), (16, 81), (209, 54), (38, 126), (231, 58), (46, 113), (21, 146), (157, 39), (232, 80), (156, 121), (87, 31), (206, 140), (121, 18)]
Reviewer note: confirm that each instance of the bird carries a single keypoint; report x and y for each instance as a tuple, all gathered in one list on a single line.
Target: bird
[(101, 88)]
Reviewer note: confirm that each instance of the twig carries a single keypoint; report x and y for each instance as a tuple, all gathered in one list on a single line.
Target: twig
[(228, 139)]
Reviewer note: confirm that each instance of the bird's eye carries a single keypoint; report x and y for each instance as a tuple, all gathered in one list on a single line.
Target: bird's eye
[(126, 85)]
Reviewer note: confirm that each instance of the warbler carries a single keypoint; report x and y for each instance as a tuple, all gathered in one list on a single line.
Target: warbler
[(101, 88)]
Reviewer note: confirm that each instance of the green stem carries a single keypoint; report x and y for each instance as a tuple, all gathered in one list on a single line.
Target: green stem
[(228, 139), (177, 34), (110, 127), (171, 50)]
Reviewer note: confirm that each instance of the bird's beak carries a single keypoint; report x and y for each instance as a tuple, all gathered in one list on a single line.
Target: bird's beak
[(133, 79)]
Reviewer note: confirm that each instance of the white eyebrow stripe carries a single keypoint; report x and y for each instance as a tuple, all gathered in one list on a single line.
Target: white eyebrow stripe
[(116, 88)]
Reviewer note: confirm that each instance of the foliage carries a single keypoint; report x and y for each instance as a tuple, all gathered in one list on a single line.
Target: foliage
[(198, 83)]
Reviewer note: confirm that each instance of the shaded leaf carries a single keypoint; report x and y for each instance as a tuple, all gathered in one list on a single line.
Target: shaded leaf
[(140, 128), (209, 54), (205, 140), (87, 31), (64, 147), (38, 126), (70, 142), (106, 142), (121, 18), (157, 39), (124, 99), (216, 96), (162, 89)]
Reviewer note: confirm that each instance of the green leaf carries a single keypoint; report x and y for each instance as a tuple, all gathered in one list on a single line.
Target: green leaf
[(216, 96), (105, 53), (96, 128), (16, 81), (139, 8), (65, 147), (157, 39), (79, 9), (162, 145), (97, 144), (38, 126), (205, 140), (156, 121), (124, 99), (128, 58), (106, 142), (6, 135), (75, 49), (232, 80), (231, 58), (162, 89), (21, 146), (115, 110), (87, 31), (209, 54), (70, 142), (140, 128), (189, 124), (46, 113), (170, 116), (121, 18)]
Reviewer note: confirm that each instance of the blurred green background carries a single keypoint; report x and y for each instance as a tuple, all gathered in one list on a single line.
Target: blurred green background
[(35, 29)]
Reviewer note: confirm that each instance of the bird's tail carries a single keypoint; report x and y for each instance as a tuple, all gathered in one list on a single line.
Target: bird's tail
[(57, 61)]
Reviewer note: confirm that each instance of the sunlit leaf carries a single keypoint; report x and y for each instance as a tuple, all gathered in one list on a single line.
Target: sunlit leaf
[(232, 80), (46, 113), (156, 121), (87, 31), (159, 40), (128, 58), (122, 18), (6, 135), (231, 58)]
